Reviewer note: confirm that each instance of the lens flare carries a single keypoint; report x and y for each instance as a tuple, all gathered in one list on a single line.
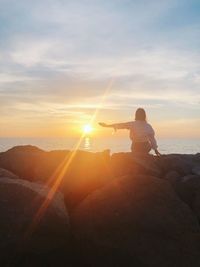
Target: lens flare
[(87, 129)]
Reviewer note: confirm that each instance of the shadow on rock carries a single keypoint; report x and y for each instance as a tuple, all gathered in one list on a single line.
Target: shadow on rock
[(23, 233), (139, 218)]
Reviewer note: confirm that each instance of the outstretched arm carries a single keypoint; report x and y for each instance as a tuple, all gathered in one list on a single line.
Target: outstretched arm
[(106, 125), (125, 125)]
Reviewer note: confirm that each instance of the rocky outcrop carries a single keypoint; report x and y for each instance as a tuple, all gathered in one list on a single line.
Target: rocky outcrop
[(127, 163), (126, 210), (172, 176), (79, 172), (189, 191), (22, 161), (196, 170), (175, 163), (8, 174), (138, 219), (31, 226)]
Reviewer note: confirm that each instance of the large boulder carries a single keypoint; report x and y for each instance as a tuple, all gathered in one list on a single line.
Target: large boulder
[(22, 161), (189, 191), (31, 226), (126, 163), (8, 174), (79, 172), (196, 204), (197, 158), (172, 177), (137, 221), (174, 162), (196, 170)]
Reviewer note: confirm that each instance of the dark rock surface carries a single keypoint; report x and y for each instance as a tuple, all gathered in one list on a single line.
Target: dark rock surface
[(142, 217), (172, 176), (186, 189), (8, 174), (22, 161), (176, 163), (24, 233), (127, 163), (196, 170), (80, 173), (189, 191), (126, 210)]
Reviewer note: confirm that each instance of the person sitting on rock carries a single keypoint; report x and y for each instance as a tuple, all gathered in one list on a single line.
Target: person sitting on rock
[(141, 133)]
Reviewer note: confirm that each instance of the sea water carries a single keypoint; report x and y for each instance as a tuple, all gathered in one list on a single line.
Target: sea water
[(93, 144)]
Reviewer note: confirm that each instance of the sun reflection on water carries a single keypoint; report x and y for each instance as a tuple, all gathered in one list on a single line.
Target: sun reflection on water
[(87, 143)]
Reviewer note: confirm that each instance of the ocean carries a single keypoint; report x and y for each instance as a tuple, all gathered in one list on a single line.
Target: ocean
[(114, 143)]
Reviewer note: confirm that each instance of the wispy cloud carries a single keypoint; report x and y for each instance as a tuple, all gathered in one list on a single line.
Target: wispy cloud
[(59, 63)]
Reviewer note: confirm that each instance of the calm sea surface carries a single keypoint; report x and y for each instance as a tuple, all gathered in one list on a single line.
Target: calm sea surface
[(114, 143)]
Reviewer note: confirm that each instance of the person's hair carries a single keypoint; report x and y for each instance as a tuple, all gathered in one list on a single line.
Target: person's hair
[(140, 114)]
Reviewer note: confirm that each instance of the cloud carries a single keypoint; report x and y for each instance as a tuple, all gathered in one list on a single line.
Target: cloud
[(12, 78), (60, 63), (30, 52)]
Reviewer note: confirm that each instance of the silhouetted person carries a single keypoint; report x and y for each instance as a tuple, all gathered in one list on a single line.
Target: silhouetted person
[(141, 133)]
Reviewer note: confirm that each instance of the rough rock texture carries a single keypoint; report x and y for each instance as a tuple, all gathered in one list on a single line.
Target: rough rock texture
[(79, 173), (8, 174), (189, 191), (21, 160), (186, 189), (24, 233), (196, 170), (139, 219), (127, 210), (127, 163), (175, 163), (172, 176)]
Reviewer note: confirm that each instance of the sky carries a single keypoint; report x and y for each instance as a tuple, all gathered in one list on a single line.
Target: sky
[(64, 63)]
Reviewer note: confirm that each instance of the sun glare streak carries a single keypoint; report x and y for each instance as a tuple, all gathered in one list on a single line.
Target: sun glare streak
[(107, 90), (62, 168)]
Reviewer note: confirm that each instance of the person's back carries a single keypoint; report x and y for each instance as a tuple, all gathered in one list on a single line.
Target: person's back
[(142, 136), (141, 133)]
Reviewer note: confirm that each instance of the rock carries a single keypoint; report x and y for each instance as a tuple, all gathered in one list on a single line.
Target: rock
[(79, 172), (196, 204), (86, 173), (122, 164), (128, 163), (23, 232), (137, 220), (25, 149), (187, 189), (196, 170), (173, 177), (8, 174), (175, 163), (197, 157), (190, 178), (149, 165), (22, 161), (189, 192)]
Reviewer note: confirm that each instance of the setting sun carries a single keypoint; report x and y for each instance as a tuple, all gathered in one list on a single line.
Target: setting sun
[(87, 129)]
